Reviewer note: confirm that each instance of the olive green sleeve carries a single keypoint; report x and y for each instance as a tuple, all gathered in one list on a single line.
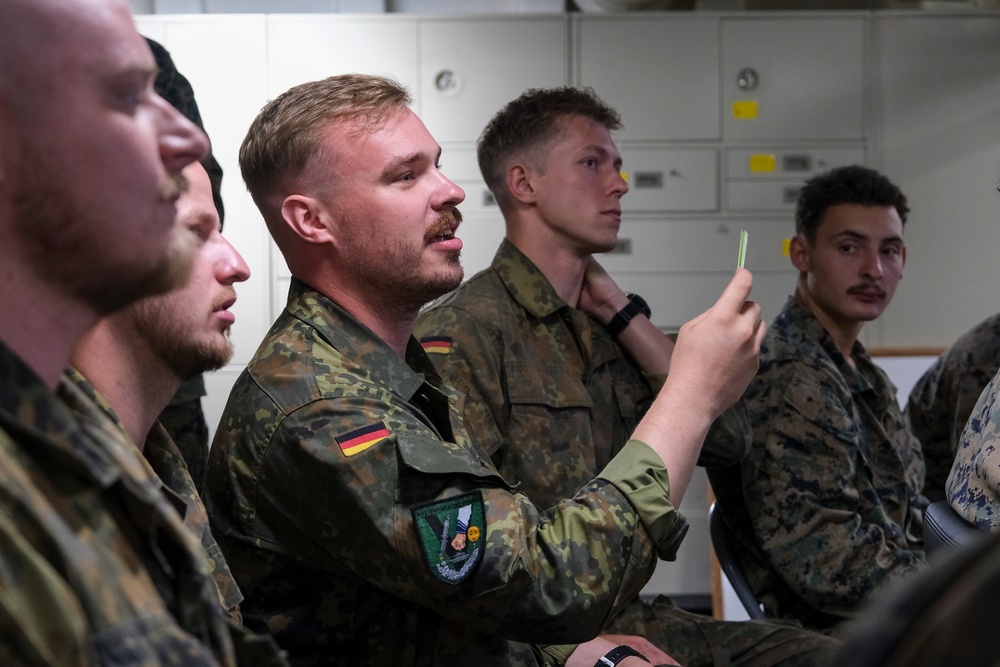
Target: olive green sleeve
[(638, 472)]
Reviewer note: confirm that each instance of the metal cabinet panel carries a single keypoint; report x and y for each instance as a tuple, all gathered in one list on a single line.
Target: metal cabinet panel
[(789, 162), (660, 72), (674, 179), (470, 68), (802, 78), (308, 48), (762, 195), (676, 246)]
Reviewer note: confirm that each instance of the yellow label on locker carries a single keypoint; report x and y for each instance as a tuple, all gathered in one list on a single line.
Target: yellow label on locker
[(745, 109), (624, 175), (786, 247), (763, 162)]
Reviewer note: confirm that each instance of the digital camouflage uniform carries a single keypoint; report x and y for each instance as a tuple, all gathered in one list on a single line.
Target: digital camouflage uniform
[(942, 400), (973, 487), (552, 397), (341, 481), (167, 465), (95, 565), (832, 483)]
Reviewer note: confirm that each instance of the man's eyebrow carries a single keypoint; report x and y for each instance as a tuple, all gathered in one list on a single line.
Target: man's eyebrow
[(850, 233), (405, 161)]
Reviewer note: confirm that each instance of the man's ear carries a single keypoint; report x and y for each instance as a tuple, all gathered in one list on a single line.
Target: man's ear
[(307, 219), (520, 184), (798, 251)]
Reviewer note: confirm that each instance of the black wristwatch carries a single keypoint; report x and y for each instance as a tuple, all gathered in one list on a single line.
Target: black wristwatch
[(617, 654), (636, 304)]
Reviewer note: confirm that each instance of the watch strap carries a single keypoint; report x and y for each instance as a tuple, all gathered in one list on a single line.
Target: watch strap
[(636, 305), (617, 654)]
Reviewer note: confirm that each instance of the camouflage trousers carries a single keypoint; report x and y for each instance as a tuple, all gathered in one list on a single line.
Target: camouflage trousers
[(696, 640)]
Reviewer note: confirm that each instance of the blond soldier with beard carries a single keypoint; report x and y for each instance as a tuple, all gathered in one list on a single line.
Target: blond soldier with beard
[(363, 524)]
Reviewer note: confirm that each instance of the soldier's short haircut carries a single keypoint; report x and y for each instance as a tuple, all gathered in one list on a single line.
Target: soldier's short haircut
[(844, 185), (523, 128), (287, 132)]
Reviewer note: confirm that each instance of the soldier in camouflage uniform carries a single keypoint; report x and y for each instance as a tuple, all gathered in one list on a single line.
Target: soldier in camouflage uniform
[(363, 524), (550, 393), (942, 400), (973, 487), (96, 566), (183, 418), (133, 361), (831, 508)]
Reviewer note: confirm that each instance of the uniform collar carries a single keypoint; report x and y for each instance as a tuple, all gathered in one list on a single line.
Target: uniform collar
[(361, 350), (527, 285)]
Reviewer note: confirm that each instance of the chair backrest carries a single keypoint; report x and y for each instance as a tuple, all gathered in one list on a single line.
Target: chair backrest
[(722, 543), (945, 529)]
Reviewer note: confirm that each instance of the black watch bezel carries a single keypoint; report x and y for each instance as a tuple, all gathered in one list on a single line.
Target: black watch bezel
[(636, 305)]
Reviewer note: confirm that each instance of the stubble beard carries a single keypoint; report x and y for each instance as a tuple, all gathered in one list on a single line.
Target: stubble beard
[(396, 286), (168, 335), (57, 234)]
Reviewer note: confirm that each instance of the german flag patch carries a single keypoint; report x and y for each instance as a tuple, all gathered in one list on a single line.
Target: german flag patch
[(436, 344), (361, 439)]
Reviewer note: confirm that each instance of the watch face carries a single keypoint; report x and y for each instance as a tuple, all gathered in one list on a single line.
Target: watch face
[(641, 303)]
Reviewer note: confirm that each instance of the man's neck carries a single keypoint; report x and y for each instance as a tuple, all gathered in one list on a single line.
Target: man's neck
[(39, 324), (393, 325), (131, 378), (563, 269), (844, 334)]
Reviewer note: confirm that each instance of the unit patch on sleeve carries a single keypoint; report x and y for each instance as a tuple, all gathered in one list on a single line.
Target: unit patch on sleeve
[(361, 439), (436, 344), (452, 533)]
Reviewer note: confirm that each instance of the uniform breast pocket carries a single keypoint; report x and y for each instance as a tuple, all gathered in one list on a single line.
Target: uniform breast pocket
[(548, 404)]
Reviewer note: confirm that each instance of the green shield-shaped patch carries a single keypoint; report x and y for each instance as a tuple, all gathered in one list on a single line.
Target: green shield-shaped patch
[(452, 532)]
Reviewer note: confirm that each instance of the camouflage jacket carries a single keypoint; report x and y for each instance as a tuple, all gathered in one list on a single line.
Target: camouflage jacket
[(95, 565), (973, 487), (832, 482), (549, 394), (366, 528), (166, 465), (942, 400)]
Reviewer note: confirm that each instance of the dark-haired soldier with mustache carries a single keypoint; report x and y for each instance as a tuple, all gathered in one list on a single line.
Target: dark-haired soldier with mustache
[(363, 523), (832, 484)]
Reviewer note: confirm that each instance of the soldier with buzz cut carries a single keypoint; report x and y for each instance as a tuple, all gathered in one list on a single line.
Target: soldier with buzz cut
[(831, 511), (558, 364), (363, 523), (942, 400)]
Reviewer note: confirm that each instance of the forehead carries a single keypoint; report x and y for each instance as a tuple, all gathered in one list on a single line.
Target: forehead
[(878, 223), (88, 33), (198, 198), (357, 143), (578, 131)]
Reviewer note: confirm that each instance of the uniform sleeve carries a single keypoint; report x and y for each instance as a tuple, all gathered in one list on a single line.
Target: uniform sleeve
[(973, 487), (394, 508), (41, 622), (474, 365), (800, 488), (930, 414)]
